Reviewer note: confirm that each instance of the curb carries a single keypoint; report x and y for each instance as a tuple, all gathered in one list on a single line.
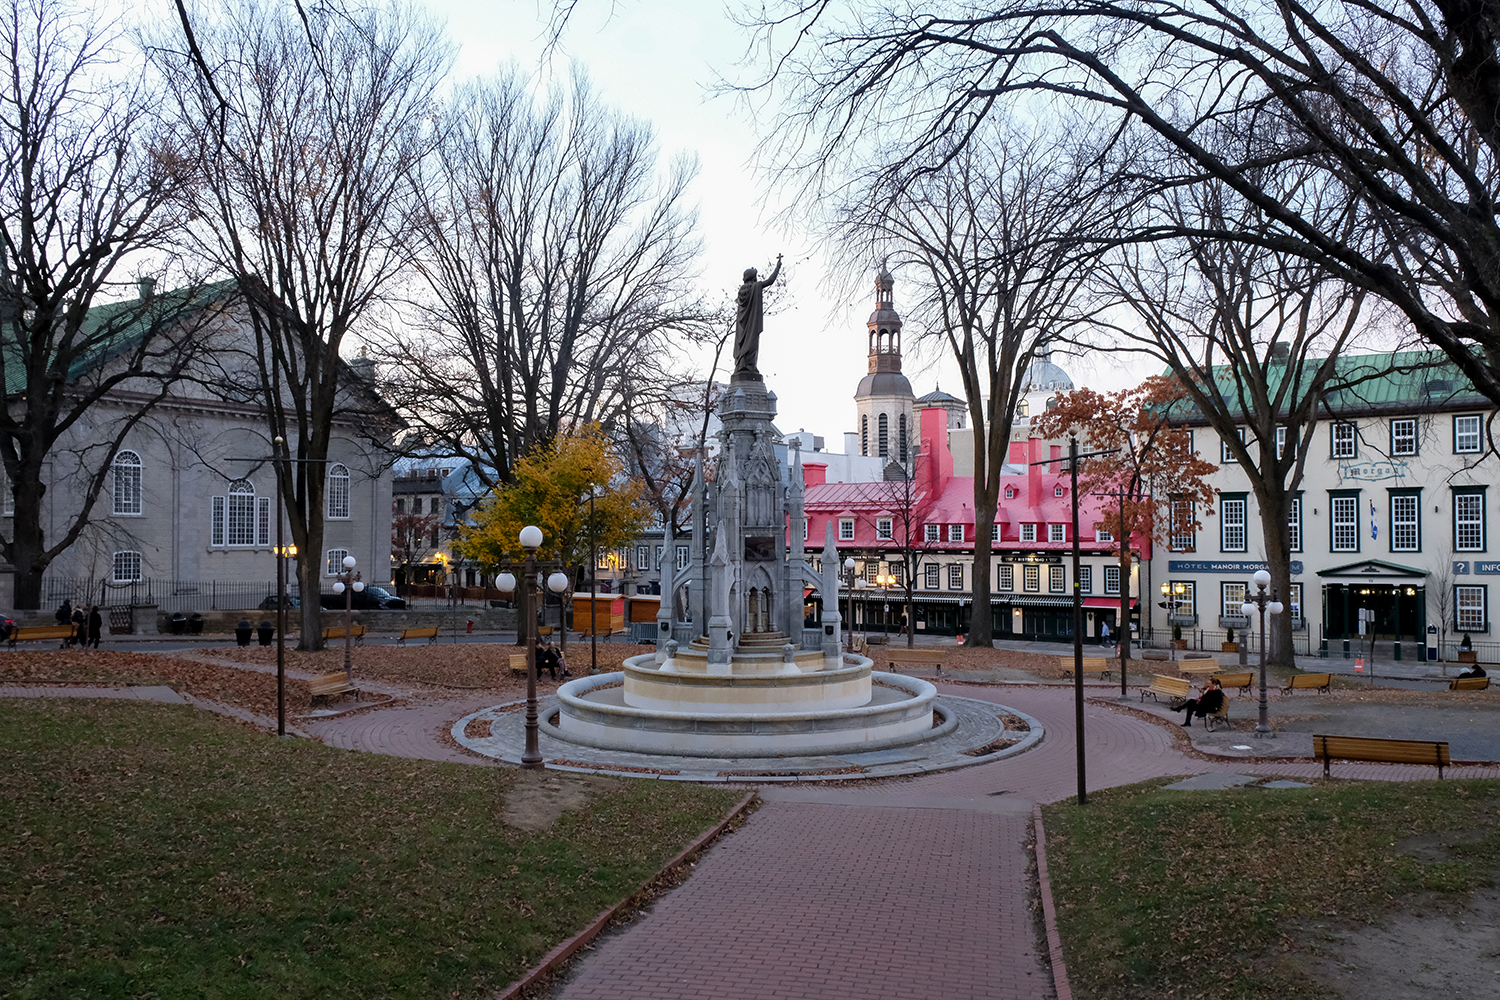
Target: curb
[(567, 949), (1049, 912)]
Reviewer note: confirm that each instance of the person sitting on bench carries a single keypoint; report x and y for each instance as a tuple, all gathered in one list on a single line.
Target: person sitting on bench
[(1475, 671), (1208, 702)]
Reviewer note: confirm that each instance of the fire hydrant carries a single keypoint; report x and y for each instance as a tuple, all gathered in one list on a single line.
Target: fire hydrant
[(471, 625)]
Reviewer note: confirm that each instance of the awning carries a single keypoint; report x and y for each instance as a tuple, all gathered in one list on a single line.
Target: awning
[(1107, 602), (1034, 602)]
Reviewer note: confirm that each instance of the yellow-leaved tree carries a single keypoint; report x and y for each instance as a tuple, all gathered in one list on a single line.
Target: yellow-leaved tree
[(551, 490)]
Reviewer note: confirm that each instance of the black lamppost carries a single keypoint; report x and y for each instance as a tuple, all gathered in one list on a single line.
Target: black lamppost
[(1264, 602), (849, 600), (885, 581), (531, 540), (348, 583)]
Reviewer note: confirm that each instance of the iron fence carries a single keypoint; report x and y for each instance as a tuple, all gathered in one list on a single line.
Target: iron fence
[(168, 595)]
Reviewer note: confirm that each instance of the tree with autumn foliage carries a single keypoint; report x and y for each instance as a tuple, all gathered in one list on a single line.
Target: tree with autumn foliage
[(551, 490), (1152, 486)]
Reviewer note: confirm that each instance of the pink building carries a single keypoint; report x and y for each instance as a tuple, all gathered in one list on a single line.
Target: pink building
[(1031, 567)]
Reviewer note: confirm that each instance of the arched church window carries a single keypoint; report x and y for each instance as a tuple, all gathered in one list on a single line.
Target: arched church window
[(885, 436), (127, 492), (864, 434)]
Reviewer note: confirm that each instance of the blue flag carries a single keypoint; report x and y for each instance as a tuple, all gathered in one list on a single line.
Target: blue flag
[(1374, 529)]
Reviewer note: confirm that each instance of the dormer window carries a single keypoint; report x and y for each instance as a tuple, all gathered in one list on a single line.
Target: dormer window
[(1058, 491), (1010, 492)]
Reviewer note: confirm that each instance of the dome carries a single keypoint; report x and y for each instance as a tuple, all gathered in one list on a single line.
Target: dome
[(1044, 374), (938, 397), (883, 384)]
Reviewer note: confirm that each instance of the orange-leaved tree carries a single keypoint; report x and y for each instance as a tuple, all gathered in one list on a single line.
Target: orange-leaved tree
[(552, 490), (1154, 485)]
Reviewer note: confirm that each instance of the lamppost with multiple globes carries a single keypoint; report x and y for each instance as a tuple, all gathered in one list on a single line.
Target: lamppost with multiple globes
[(885, 581), (1264, 602), (348, 583), (849, 618), (531, 540)]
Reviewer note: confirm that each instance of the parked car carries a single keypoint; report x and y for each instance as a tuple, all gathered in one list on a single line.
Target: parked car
[(372, 598), (269, 604)]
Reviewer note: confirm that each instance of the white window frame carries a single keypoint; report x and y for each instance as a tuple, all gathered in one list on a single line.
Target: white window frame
[(1085, 579), (239, 521), (336, 492), (883, 529), (1010, 492), (1057, 579), (684, 556), (1057, 533), (932, 532), (1231, 597), (1344, 524), (1028, 532), (1232, 534), (1468, 434), (1058, 491), (262, 521), (1345, 440), (955, 532), (1406, 528), (1470, 612), (1006, 577), (955, 576), (126, 559), (127, 484), (1103, 536), (1031, 575), (1403, 436), (333, 561), (1294, 525), (643, 558), (1468, 522), (1226, 457), (932, 576), (806, 522), (1187, 541), (846, 529), (1111, 581)]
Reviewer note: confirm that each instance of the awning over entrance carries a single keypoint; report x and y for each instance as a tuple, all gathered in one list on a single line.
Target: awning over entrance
[(1375, 571), (1035, 602), (1108, 603)]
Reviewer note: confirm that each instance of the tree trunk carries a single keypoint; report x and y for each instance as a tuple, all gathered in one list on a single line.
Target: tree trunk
[(1276, 532), (1124, 623), (28, 546), (981, 627)]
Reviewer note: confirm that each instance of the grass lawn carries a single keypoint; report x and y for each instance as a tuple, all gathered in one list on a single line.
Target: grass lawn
[(1196, 894), (156, 851)]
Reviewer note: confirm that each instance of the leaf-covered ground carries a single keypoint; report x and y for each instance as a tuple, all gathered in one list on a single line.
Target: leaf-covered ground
[(157, 851), (1207, 894)]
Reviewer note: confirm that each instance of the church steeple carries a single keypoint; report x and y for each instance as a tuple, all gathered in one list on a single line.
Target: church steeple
[(885, 326)]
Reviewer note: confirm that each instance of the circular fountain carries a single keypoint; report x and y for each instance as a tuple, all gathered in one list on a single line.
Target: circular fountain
[(772, 700)]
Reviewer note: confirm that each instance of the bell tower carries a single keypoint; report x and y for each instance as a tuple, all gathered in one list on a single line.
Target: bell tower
[(884, 403)]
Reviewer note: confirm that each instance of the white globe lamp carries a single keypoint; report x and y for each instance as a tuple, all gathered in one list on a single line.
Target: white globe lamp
[(531, 537)]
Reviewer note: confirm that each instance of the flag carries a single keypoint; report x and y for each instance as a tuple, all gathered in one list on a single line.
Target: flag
[(1374, 530)]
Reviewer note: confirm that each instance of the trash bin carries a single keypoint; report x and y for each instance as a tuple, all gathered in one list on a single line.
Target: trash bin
[(242, 632), (266, 632), (195, 624), (178, 624)]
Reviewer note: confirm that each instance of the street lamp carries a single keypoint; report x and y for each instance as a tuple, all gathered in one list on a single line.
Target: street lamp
[(531, 540), (885, 581), (1264, 602), (849, 619), (348, 583), (557, 583)]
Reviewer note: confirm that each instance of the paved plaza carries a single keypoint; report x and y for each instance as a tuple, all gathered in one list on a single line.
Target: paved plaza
[(910, 887)]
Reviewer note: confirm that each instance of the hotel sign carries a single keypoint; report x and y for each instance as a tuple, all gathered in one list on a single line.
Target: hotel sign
[(1209, 566), (1371, 472)]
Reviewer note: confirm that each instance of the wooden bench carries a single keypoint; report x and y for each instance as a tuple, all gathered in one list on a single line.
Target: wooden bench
[(429, 633), (1201, 667), (357, 633), (1169, 687), (1326, 748), (878, 639), (1322, 683), (1468, 684), (1241, 680), (328, 685), (894, 656), (518, 663), (26, 633), (1091, 665), (1222, 715)]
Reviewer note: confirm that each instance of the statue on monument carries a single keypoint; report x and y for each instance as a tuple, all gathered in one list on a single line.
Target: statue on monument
[(750, 321)]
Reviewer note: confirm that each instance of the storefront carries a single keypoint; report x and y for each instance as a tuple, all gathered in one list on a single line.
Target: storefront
[(1392, 597)]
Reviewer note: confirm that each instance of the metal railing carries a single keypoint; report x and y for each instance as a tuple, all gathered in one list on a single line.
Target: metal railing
[(168, 595)]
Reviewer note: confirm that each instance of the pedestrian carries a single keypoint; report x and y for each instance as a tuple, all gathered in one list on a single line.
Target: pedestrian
[(96, 627), (80, 628), (1104, 634), (64, 612)]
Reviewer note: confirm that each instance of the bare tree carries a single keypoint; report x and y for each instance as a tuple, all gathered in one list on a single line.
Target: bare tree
[(88, 178), (907, 505), (308, 135), (1255, 338), (1394, 105), (998, 240), (557, 262), (412, 535)]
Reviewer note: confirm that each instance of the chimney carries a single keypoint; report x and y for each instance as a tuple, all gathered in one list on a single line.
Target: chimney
[(147, 287), (935, 463), (814, 473), (1017, 453), (1056, 452), (1033, 472)]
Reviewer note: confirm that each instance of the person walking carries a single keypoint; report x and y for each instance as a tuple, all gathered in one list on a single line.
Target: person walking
[(80, 634), (96, 627), (1104, 634)]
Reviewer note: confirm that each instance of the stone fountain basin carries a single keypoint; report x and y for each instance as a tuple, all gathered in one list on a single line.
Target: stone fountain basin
[(592, 711), (682, 685)]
